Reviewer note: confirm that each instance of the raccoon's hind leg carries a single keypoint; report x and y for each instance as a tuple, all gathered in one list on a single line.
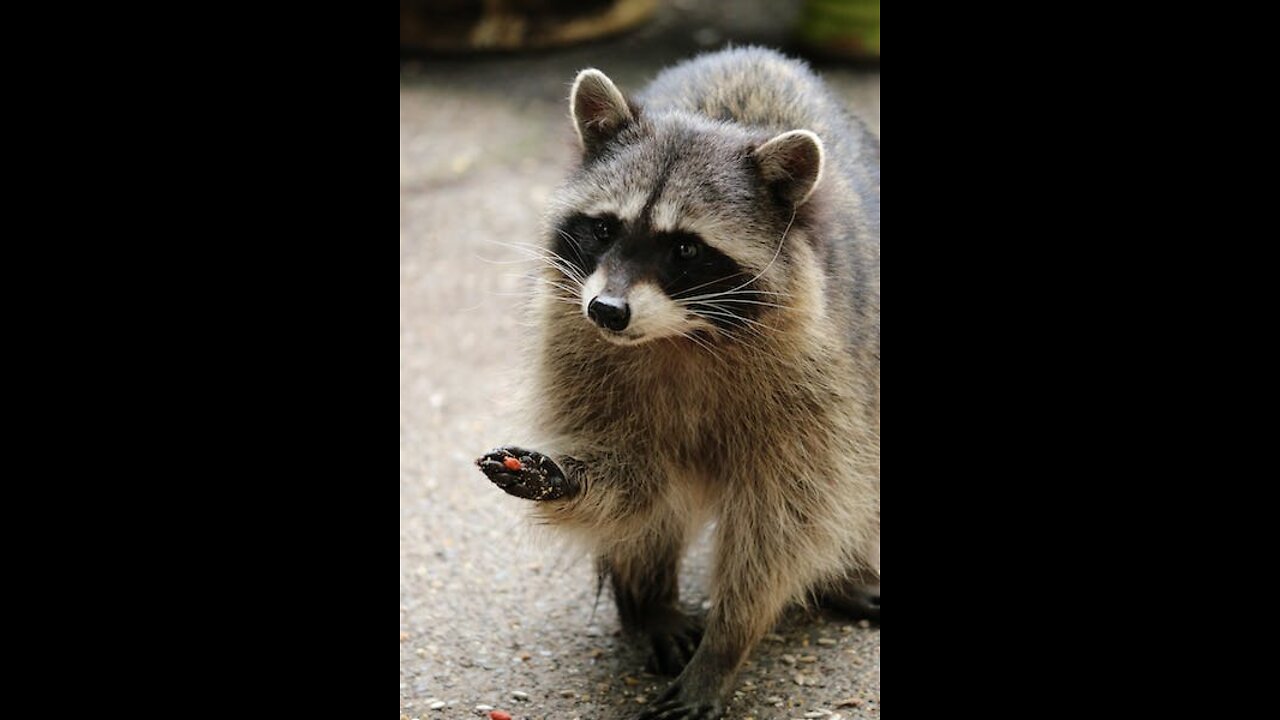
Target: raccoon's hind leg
[(643, 575), (530, 475)]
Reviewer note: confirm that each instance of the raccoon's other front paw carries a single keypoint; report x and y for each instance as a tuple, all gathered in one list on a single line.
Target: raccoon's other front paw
[(674, 644), (526, 474)]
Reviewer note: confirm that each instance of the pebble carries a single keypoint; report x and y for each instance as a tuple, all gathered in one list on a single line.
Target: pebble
[(567, 693), (850, 702), (437, 705), (642, 699), (789, 659), (808, 658), (483, 708), (817, 713), (774, 637), (864, 623), (520, 695), (799, 679), (461, 162), (773, 700), (826, 641)]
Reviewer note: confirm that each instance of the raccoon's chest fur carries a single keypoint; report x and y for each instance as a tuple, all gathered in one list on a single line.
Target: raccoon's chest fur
[(688, 408)]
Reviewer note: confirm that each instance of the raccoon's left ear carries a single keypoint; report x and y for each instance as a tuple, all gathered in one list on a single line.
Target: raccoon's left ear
[(791, 164), (599, 109)]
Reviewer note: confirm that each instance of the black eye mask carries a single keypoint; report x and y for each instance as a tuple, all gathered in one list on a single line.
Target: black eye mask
[(688, 270)]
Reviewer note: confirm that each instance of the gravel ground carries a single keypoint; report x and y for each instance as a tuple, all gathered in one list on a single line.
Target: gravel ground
[(493, 613)]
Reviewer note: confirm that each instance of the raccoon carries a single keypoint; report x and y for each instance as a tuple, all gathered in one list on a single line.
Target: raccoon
[(709, 349)]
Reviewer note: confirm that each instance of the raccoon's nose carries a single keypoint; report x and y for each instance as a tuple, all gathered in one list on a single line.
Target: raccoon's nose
[(609, 312)]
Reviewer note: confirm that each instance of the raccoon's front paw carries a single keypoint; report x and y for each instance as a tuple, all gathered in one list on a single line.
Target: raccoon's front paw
[(524, 473)]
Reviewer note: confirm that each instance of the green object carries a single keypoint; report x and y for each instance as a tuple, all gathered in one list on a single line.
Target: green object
[(842, 27)]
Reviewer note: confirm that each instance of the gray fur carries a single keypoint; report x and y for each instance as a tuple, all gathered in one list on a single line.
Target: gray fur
[(773, 428)]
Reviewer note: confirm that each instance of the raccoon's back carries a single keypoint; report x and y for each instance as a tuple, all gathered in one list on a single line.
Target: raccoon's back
[(761, 88)]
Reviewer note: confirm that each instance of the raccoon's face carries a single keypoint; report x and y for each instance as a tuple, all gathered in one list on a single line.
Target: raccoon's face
[(675, 224), (641, 282)]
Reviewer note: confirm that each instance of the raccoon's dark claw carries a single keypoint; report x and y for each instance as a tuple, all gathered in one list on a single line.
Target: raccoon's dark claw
[(525, 474), (674, 647), (678, 710), (672, 706)]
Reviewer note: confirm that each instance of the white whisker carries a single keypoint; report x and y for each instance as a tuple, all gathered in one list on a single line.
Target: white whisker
[(718, 299)]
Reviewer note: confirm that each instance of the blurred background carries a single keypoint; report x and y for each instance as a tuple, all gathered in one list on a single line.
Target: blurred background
[(492, 613)]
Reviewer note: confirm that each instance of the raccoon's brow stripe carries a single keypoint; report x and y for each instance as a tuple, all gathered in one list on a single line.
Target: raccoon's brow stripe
[(644, 221)]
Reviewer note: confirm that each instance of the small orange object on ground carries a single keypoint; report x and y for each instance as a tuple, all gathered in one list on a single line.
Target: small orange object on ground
[(511, 464), (498, 715)]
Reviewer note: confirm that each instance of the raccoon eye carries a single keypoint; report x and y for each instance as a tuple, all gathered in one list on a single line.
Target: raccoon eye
[(687, 250), (602, 229)]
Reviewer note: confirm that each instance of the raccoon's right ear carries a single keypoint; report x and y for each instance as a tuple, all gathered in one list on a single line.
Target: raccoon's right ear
[(599, 109), (791, 164)]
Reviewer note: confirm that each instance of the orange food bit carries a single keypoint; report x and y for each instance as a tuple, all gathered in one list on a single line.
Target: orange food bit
[(498, 715), (511, 464)]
